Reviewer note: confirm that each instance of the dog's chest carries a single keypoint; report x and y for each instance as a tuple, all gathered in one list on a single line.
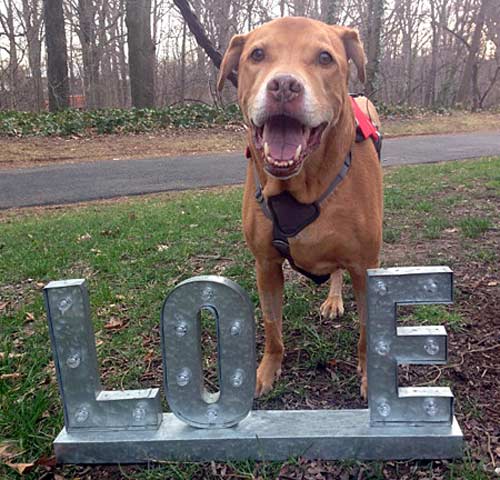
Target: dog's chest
[(317, 248)]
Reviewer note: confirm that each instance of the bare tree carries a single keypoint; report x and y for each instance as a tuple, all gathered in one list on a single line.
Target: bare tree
[(201, 37), (330, 11), (471, 64), (9, 28), (419, 52), (31, 16), (57, 61), (372, 44), (141, 53)]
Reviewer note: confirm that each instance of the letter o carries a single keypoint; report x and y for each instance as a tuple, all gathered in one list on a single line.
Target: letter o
[(182, 357)]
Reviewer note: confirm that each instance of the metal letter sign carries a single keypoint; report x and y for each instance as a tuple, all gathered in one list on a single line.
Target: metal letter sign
[(181, 335), (129, 426)]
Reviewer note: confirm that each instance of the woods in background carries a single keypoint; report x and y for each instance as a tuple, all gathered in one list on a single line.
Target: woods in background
[(144, 53)]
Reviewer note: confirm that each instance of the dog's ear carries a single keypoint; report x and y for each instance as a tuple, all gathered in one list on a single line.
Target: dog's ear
[(354, 49), (231, 59)]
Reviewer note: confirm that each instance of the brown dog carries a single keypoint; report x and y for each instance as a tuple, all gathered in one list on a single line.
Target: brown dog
[(293, 75)]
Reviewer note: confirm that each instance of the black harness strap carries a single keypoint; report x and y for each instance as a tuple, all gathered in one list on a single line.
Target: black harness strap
[(289, 216)]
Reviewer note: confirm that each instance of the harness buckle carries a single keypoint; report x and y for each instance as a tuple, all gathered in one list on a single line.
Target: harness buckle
[(282, 246)]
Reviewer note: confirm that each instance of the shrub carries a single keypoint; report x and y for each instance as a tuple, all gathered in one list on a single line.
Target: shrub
[(115, 120)]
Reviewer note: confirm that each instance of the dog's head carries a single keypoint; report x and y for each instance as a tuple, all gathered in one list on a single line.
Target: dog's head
[(292, 85)]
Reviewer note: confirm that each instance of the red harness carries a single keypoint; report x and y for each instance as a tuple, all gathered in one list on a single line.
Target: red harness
[(364, 124)]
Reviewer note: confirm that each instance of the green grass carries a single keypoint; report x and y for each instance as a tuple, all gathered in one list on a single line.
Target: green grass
[(474, 227), (434, 226), (133, 253), (434, 315)]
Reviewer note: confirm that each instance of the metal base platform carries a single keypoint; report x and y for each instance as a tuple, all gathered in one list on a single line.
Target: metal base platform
[(266, 435)]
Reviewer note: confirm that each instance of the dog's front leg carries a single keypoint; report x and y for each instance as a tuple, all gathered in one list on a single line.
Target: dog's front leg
[(333, 306), (270, 285), (359, 286)]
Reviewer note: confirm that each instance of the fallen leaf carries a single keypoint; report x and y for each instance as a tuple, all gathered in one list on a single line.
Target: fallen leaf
[(84, 237), (7, 450), (162, 248), (6, 376), (30, 317), (47, 461), (150, 355), (3, 305), (20, 467), (3, 355), (494, 283), (114, 324)]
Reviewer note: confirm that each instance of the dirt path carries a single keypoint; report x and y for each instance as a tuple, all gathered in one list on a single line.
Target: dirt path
[(39, 151)]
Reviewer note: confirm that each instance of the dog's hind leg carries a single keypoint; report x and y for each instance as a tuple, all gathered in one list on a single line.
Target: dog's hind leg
[(270, 284), (333, 306)]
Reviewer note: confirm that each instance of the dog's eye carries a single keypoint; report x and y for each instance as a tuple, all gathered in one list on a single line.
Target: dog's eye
[(257, 54), (325, 58)]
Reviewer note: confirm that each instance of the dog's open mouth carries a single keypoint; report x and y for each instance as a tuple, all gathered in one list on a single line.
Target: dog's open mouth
[(285, 142)]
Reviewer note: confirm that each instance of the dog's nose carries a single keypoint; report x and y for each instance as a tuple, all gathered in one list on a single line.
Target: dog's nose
[(284, 88)]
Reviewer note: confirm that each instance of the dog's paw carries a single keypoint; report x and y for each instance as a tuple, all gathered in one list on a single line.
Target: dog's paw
[(269, 370), (332, 307)]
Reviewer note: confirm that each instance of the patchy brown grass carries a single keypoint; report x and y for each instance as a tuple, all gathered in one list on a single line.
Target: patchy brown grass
[(456, 122), (34, 151)]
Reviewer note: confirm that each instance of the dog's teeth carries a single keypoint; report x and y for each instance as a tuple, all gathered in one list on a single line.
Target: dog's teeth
[(266, 149), (290, 163), (298, 152)]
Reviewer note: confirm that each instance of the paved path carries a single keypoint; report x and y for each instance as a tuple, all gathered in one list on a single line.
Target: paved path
[(68, 183)]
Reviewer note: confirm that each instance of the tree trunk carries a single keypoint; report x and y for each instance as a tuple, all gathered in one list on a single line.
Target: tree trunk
[(141, 53), (201, 37), (9, 30), (57, 61), (125, 86), (183, 63), (372, 45), (32, 17), (299, 8), (90, 58), (330, 11), (429, 96), (465, 88)]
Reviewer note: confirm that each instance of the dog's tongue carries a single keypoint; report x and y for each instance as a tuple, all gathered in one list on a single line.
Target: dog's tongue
[(283, 135)]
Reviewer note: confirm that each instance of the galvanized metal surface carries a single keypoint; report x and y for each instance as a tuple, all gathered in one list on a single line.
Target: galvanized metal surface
[(182, 358), (85, 404), (401, 423), (266, 435), (390, 346)]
